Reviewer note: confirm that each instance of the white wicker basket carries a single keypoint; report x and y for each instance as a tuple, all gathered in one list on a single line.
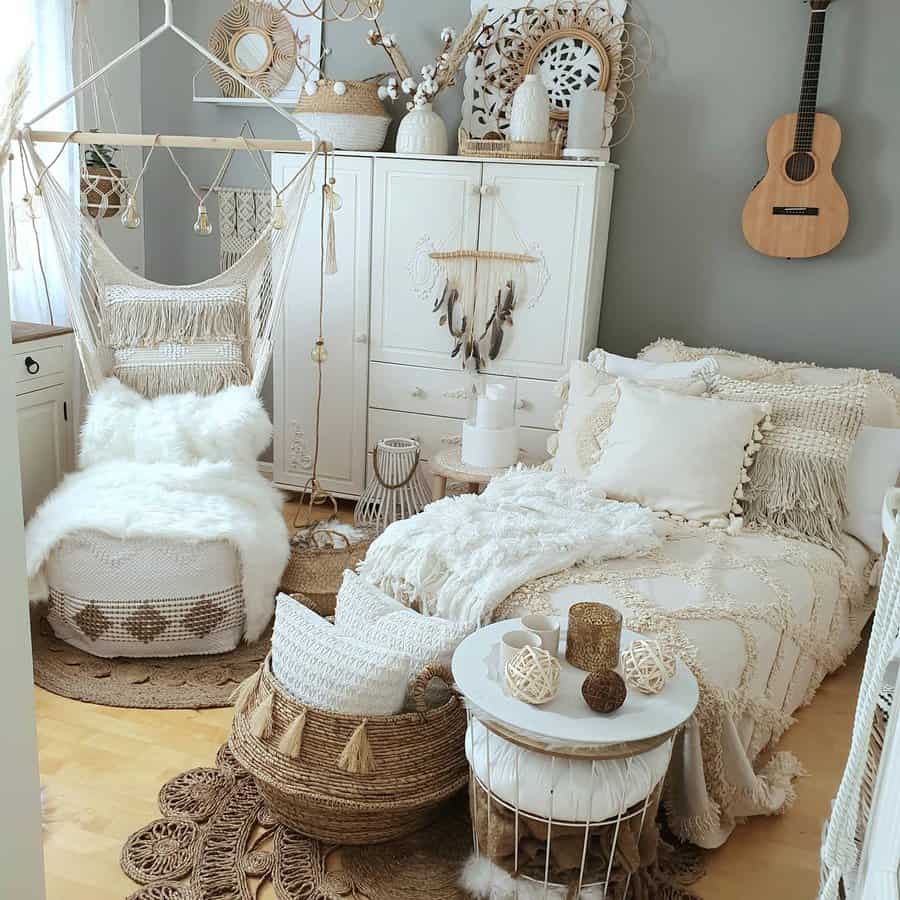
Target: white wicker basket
[(348, 131)]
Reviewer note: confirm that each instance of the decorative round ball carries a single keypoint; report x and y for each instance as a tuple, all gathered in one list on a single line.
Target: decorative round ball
[(532, 675), (604, 692), (340, 88), (311, 87), (647, 666)]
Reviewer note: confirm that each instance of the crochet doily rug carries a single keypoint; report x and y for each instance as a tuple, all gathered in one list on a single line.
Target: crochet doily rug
[(182, 682), (216, 840)]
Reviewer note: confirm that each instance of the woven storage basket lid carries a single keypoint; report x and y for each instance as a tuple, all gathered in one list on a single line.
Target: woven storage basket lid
[(359, 97)]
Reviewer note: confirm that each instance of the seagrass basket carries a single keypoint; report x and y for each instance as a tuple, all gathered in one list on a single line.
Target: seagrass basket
[(349, 779), (316, 565), (347, 114)]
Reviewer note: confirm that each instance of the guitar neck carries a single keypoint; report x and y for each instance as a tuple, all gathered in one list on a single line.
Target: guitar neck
[(809, 90)]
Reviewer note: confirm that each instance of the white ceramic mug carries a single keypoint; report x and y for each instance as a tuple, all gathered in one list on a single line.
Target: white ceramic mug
[(513, 642), (547, 630)]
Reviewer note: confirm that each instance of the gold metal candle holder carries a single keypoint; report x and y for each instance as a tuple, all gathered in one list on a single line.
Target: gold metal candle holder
[(595, 633)]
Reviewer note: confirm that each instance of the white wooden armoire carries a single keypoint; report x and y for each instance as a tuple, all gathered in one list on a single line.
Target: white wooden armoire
[(389, 371)]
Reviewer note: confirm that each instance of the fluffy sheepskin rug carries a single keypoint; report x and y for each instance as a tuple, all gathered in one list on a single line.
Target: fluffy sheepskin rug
[(179, 467)]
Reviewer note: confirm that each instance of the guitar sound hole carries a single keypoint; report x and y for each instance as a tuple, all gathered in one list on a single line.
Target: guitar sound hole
[(800, 166)]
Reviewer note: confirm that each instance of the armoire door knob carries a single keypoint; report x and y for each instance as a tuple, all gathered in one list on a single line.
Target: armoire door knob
[(361, 338)]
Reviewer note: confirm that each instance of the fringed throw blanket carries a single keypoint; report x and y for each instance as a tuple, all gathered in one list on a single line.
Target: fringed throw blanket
[(464, 555)]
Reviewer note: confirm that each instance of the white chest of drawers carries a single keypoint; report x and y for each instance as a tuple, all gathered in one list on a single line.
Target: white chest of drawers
[(389, 371)]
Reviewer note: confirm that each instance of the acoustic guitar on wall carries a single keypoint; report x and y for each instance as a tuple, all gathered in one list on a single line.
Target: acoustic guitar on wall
[(798, 210)]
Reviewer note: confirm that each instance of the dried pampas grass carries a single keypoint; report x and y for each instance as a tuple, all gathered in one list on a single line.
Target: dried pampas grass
[(12, 109)]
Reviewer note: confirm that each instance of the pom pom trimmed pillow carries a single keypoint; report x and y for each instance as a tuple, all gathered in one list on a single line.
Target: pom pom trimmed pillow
[(324, 667), (680, 454)]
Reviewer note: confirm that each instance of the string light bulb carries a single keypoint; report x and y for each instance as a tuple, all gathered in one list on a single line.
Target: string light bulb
[(278, 214), (130, 218), (202, 226), (319, 354)]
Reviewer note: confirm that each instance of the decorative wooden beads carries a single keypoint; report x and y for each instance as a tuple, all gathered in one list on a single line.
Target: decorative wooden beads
[(604, 692), (647, 666), (533, 676)]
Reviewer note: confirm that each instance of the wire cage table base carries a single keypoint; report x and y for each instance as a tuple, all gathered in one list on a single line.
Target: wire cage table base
[(544, 854)]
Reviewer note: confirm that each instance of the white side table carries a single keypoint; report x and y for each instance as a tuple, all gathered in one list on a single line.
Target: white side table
[(560, 770), (448, 466)]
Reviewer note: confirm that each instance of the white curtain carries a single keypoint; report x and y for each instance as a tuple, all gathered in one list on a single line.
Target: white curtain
[(35, 284)]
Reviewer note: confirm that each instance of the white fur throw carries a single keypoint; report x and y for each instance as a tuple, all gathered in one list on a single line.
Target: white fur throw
[(462, 556), (125, 492)]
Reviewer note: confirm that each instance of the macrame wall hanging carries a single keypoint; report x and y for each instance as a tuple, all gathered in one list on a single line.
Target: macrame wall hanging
[(474, 293), (244, 214)]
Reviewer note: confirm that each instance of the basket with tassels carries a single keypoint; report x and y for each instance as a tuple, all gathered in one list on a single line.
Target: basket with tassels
[(347, 114), (319, 555), (350, 779)]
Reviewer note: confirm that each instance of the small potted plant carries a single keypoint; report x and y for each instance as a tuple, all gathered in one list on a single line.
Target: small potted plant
[(102, 186)]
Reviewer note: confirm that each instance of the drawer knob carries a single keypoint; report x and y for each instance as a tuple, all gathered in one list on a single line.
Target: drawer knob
[(451, 439), (362, 338), (460, 394), (32, 366), (522, 404), (417, 392)]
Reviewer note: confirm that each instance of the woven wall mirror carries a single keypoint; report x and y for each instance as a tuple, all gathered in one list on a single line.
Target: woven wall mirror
[(258, 41)]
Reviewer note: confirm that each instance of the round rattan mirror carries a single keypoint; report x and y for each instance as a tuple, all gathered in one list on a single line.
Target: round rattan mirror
[(250, 51)]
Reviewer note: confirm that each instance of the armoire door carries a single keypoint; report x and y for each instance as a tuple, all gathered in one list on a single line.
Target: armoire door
[(417, 203), (43, 449), (548, 208), (342, 430)]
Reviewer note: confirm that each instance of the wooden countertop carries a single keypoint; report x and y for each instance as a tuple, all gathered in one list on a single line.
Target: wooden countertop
[(32, 331)]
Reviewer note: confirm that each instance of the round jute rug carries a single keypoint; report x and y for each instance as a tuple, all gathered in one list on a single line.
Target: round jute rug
[(217, 840), (182, 682)]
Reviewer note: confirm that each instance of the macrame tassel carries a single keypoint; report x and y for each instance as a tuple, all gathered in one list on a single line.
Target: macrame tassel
[(261, 720), (330, 248), (12, 249), (357, 756), (243, 694), (292, 740)]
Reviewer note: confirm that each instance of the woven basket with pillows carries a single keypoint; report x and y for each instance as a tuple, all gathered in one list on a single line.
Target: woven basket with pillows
[(346, 728)]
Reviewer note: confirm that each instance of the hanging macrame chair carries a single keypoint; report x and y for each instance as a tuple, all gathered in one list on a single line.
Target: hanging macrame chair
[(93, 274)]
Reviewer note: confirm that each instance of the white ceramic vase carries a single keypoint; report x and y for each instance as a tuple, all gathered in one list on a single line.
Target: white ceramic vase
[(529, 118), (423, 132)]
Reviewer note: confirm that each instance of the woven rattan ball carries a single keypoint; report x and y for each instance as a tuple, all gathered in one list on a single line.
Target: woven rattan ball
[(604, 692), (532, 675), (647, 666)]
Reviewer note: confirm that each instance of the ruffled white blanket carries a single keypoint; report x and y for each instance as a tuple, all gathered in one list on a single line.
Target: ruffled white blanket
[(462, 556)]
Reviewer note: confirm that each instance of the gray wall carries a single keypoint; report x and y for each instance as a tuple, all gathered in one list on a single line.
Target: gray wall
[(677, 262)]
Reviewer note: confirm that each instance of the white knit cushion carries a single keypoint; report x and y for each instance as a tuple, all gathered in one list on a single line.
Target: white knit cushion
[(577, 789), (120, 424), (173, 339), (647, 370), (681, 454), (324, 667), (367, 613), (872, 471)]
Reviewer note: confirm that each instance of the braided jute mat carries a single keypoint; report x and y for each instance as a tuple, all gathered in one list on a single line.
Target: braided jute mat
[(182, 682), (217, 841)]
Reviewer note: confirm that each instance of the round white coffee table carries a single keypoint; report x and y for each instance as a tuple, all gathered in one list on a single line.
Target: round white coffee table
[(561, 770)]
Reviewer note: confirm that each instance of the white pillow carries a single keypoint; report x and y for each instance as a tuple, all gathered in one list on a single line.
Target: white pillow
[(590, 404), (681, 454), (872, 470), (365, 611), (322, 667), (648, 370)]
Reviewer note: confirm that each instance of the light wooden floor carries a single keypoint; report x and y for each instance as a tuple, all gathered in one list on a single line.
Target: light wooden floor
[(102, 769)]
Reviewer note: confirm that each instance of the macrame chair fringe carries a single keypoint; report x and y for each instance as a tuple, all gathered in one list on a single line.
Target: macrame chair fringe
[(245, 692), (356, 758), (292, 740), (147, 323), (204, 378), (261, 719)]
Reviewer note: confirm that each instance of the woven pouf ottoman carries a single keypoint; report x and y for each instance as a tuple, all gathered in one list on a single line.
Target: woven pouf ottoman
[(145, 597)]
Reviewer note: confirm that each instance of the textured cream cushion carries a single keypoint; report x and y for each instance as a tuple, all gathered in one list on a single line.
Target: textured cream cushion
[(176, 339), (798, 484), (592, 394), (677, 453), (367, 613), (648, 370), (873, 470), (882, 389), (323, 667)]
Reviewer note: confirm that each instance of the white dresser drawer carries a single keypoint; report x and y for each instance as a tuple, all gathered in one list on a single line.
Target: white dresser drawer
[(537, 403), (435, 433), (38, 362)]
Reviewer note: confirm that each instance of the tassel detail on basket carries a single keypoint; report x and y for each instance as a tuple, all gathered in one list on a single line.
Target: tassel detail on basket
[(292, 740), (261, 720), (244, 692), (357, 756)]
